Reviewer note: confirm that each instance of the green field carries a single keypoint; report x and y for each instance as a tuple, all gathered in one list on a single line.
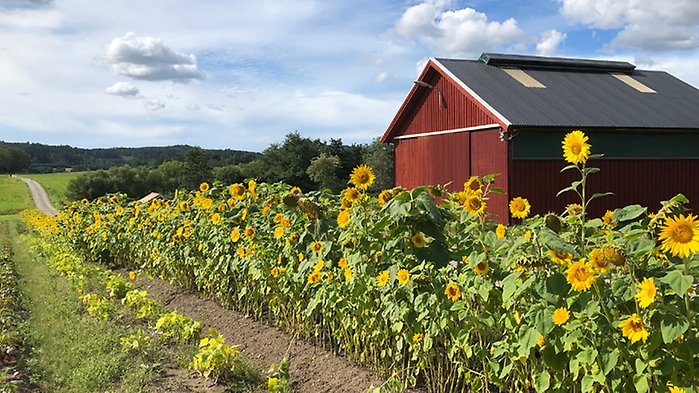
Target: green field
[(14, 196), (55, 185)]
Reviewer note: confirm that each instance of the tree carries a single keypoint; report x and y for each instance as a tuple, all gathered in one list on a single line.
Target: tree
[(197, 167), (323, 170), (379, 156), (13, 160)]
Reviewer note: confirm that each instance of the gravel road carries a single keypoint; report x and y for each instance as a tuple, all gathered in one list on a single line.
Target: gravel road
[(41, 199)]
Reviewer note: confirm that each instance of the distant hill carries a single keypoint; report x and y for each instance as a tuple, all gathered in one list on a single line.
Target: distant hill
[(48, 158)]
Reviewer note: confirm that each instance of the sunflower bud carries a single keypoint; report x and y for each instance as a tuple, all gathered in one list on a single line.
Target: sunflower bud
[(552, 222)]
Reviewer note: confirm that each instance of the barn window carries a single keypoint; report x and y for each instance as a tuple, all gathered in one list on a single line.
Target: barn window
[(524, 78), (633, 83)]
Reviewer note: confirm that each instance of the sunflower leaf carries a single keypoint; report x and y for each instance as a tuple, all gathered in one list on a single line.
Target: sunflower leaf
[(629, 212), (672, 327), (571, 166), (678, 282), (600, 195)]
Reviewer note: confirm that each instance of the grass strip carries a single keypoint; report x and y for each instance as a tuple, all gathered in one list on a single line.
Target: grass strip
[(14, 196), (56, 185)]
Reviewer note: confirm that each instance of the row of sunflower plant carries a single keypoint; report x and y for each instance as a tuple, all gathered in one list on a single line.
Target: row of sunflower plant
[(431, 293), (107, 295), (12, 377)]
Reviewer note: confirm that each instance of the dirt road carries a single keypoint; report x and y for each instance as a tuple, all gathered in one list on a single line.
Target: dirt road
[(41, 199)]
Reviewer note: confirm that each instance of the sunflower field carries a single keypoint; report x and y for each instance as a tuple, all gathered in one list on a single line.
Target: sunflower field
[(430, 293)]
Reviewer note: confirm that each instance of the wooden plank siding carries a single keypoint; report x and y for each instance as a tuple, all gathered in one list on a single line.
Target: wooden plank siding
[(457, 111), (634, 181), (489, 155), (437, 159)]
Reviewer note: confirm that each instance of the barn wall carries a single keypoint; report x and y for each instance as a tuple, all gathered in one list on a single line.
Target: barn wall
[(431, 160), (634, 181), (457, 111), (489, 156)]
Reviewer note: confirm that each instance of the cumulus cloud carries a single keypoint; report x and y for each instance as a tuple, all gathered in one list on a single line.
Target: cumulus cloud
[(154, 104), (654, 25), (549, 41), (124, 89), (456, 32), (148, 58)]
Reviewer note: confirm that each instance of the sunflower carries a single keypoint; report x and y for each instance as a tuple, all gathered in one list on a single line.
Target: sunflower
[(206, 203), (342, 263), (474, 205), (235, 235), (528, 235), (382, 278), (540, 342), (274, 272), (417, 337), (419, 240), (385, 196), (613, 254), (575, 150), (519, 207), (362, 177), (240, 251), (347, 273), (231, 202), (580, 276), (500, 231), (633, 329), (301, 257), (252, 186), (680, 235), (249, 232), (278, 232), (598, 262), (574, 209), (646, 292), (319, 266), (608, 218), (674, 389), (295, 190), (216, 219), (453, 291), (132, 276), (560, 316), (481, 268), (350, 195), (237, 191), (317, 247), (561, 258), (343, 219), (473, 186), (204, 187), (403, 276), (314, 278)]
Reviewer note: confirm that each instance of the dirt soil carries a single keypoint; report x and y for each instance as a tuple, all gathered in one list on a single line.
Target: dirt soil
[(312, 369)]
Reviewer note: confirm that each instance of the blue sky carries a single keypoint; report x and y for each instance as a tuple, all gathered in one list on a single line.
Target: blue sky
[(242, 74)]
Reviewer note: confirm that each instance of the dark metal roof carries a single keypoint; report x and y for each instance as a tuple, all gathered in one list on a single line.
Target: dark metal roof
[(556, 63), (580, 99)]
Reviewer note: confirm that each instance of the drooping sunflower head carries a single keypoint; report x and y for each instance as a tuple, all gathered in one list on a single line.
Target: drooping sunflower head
[(419, 240), (453, 291), (519, 207), (473, 185), (680, 235), (598, 262), (646, 292), (474, 205), (385, 196), (560, 316), (561, 258), (552, 222), (613, 254), (633, 329), (575, 149), (580, 276), (343, 219), (362, 177), (482, 268)]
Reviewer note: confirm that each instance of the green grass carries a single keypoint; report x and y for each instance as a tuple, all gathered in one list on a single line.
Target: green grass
[(14, 196), (55, 185), (72, 352)]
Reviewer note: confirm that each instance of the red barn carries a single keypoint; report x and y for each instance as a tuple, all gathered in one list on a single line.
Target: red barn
[(508, 114)]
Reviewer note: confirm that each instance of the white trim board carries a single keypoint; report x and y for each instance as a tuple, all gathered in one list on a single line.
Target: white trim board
[(454, 131)]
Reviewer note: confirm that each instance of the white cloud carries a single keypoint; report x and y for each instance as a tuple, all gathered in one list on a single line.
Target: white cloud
[(381, 76), (148, 58), (154, 104), (456, 32), (549, 41), (124, 89), (654, 25)]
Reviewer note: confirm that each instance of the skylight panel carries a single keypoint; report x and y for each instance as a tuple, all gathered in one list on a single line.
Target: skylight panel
[(524, 78), (633, 83)]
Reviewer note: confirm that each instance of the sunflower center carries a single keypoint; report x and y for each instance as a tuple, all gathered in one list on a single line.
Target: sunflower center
[(475, 204), (581, 274), (575, 149), (636, 326), (683, 234)]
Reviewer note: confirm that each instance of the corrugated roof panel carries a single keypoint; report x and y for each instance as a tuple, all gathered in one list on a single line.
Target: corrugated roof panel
[(582, 99)]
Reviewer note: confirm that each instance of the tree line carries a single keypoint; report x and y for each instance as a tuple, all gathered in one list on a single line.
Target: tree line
[(311, 164)]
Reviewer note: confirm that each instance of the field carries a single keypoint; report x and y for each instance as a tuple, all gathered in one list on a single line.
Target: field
[(14, 196), (55, 185)]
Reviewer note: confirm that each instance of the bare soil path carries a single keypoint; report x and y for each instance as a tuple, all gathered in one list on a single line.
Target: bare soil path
[(41, 199)]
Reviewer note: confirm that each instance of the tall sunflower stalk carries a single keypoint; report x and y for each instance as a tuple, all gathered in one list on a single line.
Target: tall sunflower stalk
[(576, 151)]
